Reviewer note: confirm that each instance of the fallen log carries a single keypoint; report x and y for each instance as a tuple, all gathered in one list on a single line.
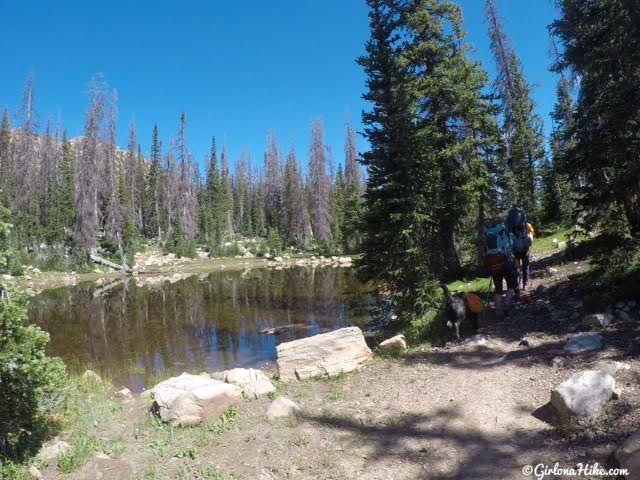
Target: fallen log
[(103, 261)]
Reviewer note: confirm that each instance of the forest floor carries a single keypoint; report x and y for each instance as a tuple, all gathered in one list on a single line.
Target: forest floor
[(452, 412)]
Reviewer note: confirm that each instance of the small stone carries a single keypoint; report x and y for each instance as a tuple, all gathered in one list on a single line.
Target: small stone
[(394, 344), (34, 472), (557, 361), (53, 450), (282, 407), (541, 289), (90, 374), (583, 343), (623, 316), (125, 394), (583, 395), (616, 394), (598, 320)]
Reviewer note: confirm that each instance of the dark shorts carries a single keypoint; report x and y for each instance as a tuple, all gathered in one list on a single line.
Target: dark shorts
[(507, 274)]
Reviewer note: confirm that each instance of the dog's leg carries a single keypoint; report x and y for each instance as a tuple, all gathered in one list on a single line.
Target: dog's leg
[(458, 330), (474, 321)]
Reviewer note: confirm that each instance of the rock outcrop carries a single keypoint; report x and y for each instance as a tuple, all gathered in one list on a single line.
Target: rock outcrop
[(583, 395), (342, 350), (188, 399)]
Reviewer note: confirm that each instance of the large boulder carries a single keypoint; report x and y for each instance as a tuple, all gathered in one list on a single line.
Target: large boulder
[(188, 399), (394, 344), (583, 343), (583, 395), (342, 350), (282, 407), (252, 382), (628, 456), (598, 320)]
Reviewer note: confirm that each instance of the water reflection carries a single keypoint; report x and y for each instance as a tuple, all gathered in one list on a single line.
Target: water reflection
[(132, 331)]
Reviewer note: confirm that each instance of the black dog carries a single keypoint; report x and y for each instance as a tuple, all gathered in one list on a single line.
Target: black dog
[(456, 310)]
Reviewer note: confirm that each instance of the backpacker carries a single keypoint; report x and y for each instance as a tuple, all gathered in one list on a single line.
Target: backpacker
[(517, 224), (498, 248)]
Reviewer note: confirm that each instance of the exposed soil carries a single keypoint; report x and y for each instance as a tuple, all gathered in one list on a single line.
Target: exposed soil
[(455, 412)]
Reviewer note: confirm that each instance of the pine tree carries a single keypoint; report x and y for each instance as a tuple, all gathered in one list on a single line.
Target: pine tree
[(60, 212), (601, 40), (295, 214), (338, 207), (522, 128), (353, 193), (153, 189), (215, 199)]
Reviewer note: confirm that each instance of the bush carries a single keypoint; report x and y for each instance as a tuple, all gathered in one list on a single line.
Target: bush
[(30, 381)]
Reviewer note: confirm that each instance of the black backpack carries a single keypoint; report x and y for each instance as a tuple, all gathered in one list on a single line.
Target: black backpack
[(517, 224)]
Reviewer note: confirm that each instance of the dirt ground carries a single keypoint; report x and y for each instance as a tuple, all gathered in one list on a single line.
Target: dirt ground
[(454, 412)]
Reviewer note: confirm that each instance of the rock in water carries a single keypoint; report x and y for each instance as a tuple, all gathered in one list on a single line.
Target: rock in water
[(583, 343), (583, 395), (628, 456), (282, 407), (598, 320), (252, 382), (394, 344), (342, 350), (188, 399)]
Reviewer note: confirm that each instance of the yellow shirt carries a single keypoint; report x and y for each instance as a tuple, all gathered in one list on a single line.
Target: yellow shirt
[(530, 230)]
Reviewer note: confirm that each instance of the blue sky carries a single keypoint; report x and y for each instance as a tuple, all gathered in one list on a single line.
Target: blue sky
[(237, 68)]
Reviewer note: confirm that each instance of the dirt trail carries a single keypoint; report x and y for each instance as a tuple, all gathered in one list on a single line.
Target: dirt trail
[(455, 412)]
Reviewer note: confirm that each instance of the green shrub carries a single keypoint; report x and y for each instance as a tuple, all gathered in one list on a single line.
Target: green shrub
[(30, 381)]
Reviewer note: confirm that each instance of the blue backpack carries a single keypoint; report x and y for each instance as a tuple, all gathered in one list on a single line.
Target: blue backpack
[(498, 248)]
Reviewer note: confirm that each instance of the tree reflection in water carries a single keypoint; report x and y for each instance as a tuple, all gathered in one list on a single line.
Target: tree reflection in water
[(132, 332)]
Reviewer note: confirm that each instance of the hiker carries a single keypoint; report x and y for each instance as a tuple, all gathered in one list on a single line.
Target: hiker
[(522, 231), (499, 261)]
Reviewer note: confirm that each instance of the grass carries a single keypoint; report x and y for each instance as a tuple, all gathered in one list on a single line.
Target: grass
[(547, 244)]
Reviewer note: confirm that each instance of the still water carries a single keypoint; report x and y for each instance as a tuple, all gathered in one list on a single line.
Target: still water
[(136, 330)]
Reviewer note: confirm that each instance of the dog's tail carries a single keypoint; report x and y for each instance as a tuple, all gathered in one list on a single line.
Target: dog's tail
[(446, 291)]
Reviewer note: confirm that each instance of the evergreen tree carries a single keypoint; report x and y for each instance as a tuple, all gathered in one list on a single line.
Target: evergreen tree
[(352, 194), (338, 207), (153, 190), (601, 40), (522, 128), (227, 195), (60, 207)]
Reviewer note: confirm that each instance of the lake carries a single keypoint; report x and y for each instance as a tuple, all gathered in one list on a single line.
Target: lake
[(137, 330)]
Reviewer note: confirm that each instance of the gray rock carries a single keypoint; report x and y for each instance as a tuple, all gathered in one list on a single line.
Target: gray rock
[(342, 350), (34, 473), (394, 344), (623, 316), (628, 456), (617, 393), (583, 395), (282, 407), (598, 320), (541, 289), (187, 400), (611, 367), (476, 341), (253, 383), (91, 375), (557, 361), (52, 450), (583, 343), (125, 394)]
